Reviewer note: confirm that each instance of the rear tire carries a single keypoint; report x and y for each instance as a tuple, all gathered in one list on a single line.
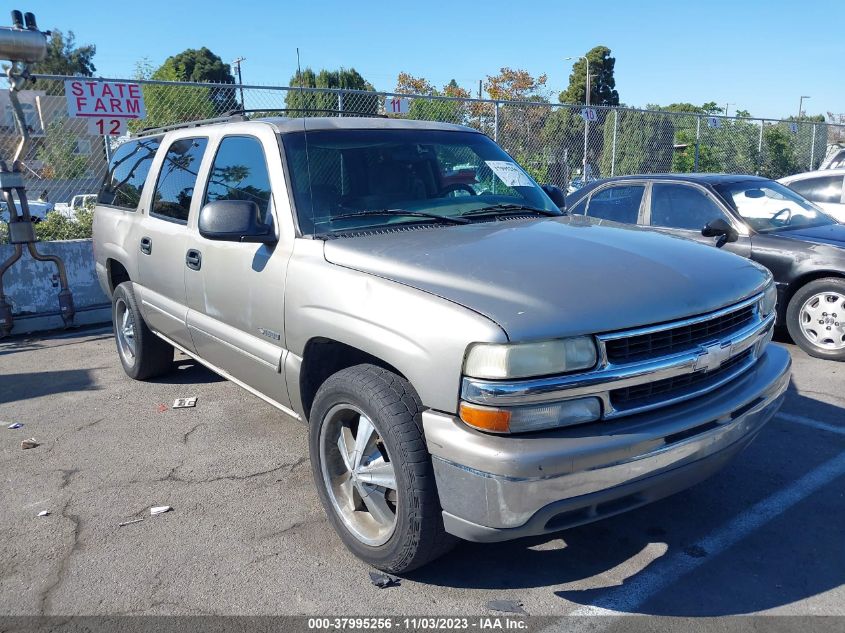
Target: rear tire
[(372, 469), (815, 318), (142, 354)]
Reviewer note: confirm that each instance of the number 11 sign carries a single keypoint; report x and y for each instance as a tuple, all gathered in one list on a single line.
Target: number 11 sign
[(397, 105)]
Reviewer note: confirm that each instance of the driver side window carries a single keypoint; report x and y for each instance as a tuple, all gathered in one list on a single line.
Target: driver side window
[(682, 207)]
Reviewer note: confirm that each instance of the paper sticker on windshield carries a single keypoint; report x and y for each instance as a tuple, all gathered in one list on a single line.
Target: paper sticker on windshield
[(509, 173)]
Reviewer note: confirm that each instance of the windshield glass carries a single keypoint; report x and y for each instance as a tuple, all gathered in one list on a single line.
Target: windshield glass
[(770, 206), (340, 173)]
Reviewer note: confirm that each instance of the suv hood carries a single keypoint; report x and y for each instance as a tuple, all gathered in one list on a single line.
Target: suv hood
[(556, 277)]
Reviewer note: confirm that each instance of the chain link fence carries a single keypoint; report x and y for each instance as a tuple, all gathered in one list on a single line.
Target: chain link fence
[(553, 142)]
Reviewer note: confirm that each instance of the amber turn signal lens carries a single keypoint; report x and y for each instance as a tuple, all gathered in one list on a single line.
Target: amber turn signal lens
[(485, 418)]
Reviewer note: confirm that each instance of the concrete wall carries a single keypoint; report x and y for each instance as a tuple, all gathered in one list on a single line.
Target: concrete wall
[(32, 287)]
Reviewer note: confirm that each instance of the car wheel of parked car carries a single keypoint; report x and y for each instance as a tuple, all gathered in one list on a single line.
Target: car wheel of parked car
[(142, 354), (373, 471), (815, 318)]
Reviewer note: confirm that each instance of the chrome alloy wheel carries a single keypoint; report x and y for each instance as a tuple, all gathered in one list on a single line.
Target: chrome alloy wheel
[(822, 320), (358, 474), (124, 330)]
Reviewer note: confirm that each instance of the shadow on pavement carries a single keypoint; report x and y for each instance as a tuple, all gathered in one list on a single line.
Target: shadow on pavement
[(23, 386), (187, 372)]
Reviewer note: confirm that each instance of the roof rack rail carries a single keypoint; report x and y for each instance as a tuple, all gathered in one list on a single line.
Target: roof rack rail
[(226, 118), (318, 110)]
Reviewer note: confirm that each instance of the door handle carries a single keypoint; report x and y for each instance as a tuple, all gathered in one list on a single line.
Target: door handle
[(193, 259), (146, 245)]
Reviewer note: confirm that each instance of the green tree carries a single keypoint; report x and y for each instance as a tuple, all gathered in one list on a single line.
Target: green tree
[(602, 82), (169, 104), (64, 57), (201, 66), (644, 143), (58, 152), (434, 109), (343, 78), (778, 152)]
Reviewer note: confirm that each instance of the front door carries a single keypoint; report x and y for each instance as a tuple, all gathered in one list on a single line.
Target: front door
[(236, 291), (162, 240), (683, 209)]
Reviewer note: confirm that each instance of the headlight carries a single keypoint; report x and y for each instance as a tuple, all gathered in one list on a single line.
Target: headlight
[(769, 301), (522, 360), (538, 417)]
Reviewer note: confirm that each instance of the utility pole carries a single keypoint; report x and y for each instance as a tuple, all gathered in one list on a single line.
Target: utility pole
[(727, 105), (801, 104), (237, 64)]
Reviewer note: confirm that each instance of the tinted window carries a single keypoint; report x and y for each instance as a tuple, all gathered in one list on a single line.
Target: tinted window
[(824, 189), (336, 173), (128, 170), (620, 204), (579, 208), (177, 179), (240, 172), (682, 207)]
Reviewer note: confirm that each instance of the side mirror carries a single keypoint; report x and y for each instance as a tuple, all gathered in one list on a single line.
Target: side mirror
[(556, 194), (721, 229), (234, 221)]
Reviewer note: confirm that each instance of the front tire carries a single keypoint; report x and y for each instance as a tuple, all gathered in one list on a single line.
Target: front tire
[(372, 469), (815, 318), (142, 354)]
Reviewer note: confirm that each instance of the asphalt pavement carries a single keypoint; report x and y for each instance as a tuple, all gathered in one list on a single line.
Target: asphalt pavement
[(247, 534)]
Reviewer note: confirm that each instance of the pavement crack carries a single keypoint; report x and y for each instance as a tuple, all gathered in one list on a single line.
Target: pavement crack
[(47, 594), (187, 435)]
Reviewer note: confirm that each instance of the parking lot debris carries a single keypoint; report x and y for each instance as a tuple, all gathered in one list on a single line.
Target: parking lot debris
[(383, 581), (44, 513), (130, 522), (184, 403), (159, 510), (162, 408), (30, 443), (15, 425), (506, 606)]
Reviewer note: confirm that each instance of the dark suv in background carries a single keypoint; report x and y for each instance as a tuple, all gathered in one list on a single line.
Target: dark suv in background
[(751, 216)]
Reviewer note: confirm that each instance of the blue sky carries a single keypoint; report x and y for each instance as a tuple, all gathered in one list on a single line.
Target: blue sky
[(760, 56)]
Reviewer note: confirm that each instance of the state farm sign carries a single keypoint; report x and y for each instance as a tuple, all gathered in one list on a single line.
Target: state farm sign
[(107, 105)]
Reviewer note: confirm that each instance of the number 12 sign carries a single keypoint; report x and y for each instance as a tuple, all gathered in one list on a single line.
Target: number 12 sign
[(106, 105)]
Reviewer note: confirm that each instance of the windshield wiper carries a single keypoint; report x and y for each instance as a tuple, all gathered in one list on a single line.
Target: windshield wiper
[(507, 209), (443, 219)]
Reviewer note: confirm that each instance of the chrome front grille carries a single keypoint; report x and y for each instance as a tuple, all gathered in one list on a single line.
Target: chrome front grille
[(663, 342), (649, 367), (679, 387)]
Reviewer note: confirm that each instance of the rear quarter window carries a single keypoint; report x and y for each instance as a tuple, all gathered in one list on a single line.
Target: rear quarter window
[(128, 170)]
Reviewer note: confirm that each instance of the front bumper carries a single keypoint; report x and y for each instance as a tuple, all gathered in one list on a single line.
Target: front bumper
[(496, 488)]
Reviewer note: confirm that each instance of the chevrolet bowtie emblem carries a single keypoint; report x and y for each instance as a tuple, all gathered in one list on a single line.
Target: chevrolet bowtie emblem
[(712, 357)]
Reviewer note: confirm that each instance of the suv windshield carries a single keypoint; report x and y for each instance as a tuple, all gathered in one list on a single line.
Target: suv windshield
[(770, 206), (351, 179)]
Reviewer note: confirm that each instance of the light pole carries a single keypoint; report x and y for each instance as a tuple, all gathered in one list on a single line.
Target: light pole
[(800, 105), (727, 105), (586, 119), (237, 64)]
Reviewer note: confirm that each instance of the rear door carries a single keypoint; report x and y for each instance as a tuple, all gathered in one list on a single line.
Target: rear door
[(164, 235), (236, 291), (684, 208), (618, 203)]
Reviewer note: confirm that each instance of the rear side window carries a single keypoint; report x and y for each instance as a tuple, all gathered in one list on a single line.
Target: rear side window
[(823, 189), (682, 207), (619, 204), (128, 170), (177, 179), (240, 172)]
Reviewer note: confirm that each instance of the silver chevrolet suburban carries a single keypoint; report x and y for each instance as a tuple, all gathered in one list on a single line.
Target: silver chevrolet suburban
[(470, 361)]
